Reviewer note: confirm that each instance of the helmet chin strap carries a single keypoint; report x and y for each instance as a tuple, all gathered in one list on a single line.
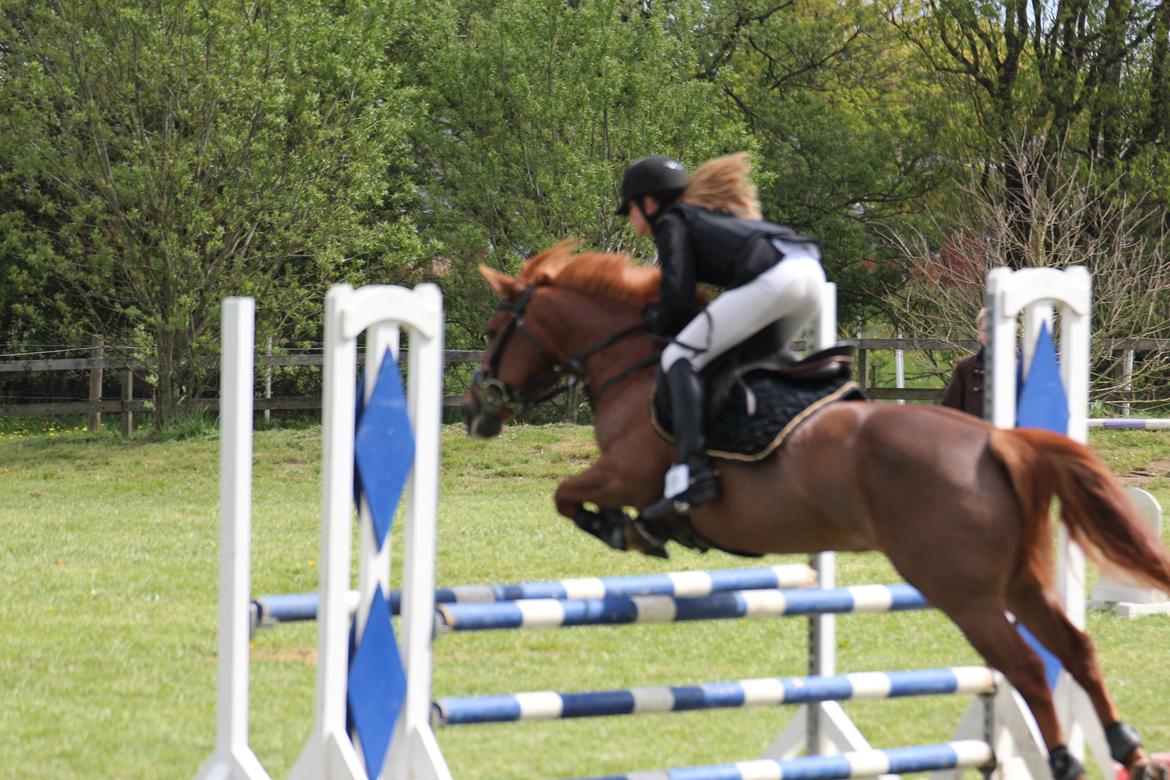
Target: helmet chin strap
[(640, 204), (652, 219), (664, 200)]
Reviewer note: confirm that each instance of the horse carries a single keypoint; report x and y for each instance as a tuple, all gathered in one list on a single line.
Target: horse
[(960, 508)]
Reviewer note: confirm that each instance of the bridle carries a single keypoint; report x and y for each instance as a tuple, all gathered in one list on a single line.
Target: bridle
[(496, 395)]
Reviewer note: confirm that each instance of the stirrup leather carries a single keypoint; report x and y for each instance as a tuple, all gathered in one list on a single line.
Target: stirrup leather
[(686, 486)]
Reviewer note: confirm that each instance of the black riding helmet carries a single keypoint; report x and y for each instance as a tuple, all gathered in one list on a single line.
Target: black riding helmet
[(655, 175)]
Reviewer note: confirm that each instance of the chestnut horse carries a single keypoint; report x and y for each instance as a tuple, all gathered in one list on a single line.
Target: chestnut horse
[(960, 508)]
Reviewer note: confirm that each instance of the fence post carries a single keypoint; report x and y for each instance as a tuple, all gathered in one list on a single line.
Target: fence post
[(127, 397), (900, 369), (573, 402), (97, 350), (267, 377), (1127, 406), (862, 365)]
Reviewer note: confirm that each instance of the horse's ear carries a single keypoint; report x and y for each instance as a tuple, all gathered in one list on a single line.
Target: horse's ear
[(499, 281)]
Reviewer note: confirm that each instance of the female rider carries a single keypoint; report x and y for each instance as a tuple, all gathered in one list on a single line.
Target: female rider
[(707, 228)]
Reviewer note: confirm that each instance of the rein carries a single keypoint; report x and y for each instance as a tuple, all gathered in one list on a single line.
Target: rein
[(572, 369)]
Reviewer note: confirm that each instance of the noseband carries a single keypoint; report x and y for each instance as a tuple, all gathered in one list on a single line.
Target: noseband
[(497, 395)]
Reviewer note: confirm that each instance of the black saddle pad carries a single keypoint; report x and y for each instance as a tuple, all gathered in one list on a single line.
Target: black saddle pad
[(758, 410)]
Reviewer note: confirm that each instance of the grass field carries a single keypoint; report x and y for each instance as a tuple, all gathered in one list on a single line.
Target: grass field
[(109, 574)]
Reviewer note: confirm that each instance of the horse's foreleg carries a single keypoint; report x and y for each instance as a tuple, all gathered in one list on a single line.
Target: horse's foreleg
[(602, 486)]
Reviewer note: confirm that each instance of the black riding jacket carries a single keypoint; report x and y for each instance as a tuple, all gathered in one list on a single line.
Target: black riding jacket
[(697, 245)]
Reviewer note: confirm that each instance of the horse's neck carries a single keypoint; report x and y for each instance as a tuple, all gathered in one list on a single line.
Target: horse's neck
[(578, 323)]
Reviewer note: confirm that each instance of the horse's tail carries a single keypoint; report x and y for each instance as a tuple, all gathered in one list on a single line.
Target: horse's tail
[(1098, 514)]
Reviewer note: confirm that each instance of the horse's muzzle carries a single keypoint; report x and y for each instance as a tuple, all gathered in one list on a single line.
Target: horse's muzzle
[(484, 420)]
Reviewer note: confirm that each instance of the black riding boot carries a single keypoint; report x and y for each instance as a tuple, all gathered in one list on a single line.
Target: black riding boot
[(690, 482)]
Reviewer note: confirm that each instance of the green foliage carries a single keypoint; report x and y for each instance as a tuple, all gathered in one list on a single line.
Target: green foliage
[(1087, 78), (535, 109), (848, 128), (159, 158)]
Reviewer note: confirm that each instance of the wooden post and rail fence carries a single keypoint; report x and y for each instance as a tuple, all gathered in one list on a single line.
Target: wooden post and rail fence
[(101, 359)]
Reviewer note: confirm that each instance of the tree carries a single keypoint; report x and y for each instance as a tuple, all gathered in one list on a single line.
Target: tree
[(534, 110), (162, 156), (1121, 240), (849, 127), (1080, 76)]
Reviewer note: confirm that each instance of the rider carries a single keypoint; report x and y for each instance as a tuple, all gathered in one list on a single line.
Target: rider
[(708, 228)]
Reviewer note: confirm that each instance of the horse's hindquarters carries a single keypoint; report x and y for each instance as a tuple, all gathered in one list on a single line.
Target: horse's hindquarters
[(940, 504)]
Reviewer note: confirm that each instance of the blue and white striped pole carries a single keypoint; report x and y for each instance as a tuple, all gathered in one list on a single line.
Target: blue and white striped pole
[(864, 763), (552, 613), (767, 692), (1133, 424), (290, 607)]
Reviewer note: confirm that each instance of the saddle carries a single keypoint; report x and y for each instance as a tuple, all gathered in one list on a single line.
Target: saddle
[(758, 394)]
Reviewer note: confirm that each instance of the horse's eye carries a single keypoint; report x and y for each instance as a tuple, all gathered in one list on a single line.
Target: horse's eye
[(491, 335)]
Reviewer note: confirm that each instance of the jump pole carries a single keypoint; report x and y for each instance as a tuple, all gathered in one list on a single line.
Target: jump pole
[(272, 610), (1130, 424), (821, 728), (233, 759)]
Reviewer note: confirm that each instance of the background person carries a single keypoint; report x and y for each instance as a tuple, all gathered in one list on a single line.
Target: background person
[(964, 391)]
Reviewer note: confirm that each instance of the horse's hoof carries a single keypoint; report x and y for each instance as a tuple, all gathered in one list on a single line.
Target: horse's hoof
[(608, 525), (640, 540), (1149, 769), (1064, 765)]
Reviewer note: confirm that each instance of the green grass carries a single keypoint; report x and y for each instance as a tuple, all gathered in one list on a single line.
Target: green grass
[(109, 570)]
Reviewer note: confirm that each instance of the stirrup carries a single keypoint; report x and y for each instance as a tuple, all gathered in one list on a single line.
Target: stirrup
[(663, 508)]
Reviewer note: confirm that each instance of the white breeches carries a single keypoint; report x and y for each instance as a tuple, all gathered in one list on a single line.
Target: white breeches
[(788, 293)]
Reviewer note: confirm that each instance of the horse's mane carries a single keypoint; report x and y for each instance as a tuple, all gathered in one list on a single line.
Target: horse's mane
[(724, 184), (609, 275)]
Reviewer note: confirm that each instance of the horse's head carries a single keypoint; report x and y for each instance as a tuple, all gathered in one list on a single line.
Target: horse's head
[(562, 310), (517, 367)]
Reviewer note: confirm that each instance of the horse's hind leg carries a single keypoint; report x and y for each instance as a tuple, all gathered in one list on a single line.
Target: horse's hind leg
[(1037, 608), (996, 639)]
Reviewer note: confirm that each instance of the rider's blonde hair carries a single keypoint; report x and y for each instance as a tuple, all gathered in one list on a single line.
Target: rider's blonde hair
[(724, 185)]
